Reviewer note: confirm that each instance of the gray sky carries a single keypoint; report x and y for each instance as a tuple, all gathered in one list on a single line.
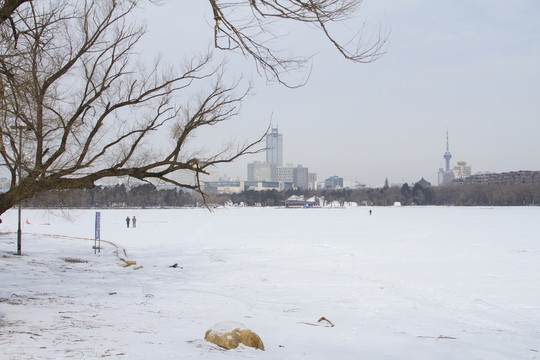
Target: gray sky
[(471, 67)]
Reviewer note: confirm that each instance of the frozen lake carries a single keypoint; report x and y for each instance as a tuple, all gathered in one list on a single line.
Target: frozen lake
[(403, 283)]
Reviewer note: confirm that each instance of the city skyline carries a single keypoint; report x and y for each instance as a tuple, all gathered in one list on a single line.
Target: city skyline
[(469, 67)]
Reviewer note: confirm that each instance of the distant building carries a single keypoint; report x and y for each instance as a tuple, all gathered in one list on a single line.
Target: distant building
[(261, 171), (333, 182), (461, 170), (297, 175), (267, 185), (300, 201), (274, 148), (224, 186), (261, 185), (312, 181), (235, 186), (506, 178), (301, 177), (423, 182), (452, 175), (445, 177), (285, 173), (273, 170)]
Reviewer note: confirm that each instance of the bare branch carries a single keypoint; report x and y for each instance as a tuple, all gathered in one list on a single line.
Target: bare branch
[(246, 26)]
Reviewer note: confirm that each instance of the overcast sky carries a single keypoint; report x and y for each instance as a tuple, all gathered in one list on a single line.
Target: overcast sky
[(469, 66)]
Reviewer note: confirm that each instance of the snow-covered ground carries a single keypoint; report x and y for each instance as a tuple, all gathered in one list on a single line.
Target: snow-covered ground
[(403, 283)]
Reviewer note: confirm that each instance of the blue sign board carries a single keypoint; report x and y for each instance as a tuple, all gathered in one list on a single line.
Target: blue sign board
[(98, 225)]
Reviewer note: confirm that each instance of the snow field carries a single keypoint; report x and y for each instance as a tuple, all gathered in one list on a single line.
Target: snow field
[(404, 283)]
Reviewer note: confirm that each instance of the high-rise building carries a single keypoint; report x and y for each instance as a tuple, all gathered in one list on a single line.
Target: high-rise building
[(312, 181), (300, 177), (261, 171), (274, 148), (285, 173)]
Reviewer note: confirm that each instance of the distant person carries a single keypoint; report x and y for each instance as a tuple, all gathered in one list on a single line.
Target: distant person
[(369, 212), (134, 222), (127, 222)]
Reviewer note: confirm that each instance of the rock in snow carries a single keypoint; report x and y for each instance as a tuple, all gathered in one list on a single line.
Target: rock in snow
[(230, 334)]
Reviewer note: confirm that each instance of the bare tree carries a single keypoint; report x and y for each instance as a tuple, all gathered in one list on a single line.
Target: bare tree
[(75, 106)]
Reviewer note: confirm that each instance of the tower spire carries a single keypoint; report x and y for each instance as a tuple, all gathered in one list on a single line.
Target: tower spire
[(447, 156)]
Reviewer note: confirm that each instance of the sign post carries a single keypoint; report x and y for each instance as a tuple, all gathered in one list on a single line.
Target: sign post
[(97, 238)]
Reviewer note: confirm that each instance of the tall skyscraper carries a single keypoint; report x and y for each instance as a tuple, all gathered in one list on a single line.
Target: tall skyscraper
[(274, 148)]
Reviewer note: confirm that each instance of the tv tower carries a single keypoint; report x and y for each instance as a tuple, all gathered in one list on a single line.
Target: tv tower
[(447, 156)]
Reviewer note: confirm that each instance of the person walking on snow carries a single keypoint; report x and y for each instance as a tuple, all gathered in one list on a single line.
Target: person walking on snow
[(127, 222), (134, 222)]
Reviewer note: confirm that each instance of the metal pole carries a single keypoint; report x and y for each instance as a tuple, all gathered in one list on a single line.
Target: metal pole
[(19, 232)]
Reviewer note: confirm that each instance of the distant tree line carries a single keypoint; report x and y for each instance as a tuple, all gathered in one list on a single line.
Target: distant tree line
[(461, 195), (149, 196), (118, 196)]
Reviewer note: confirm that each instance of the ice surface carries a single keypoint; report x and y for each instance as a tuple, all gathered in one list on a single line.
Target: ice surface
[(403, 283)]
